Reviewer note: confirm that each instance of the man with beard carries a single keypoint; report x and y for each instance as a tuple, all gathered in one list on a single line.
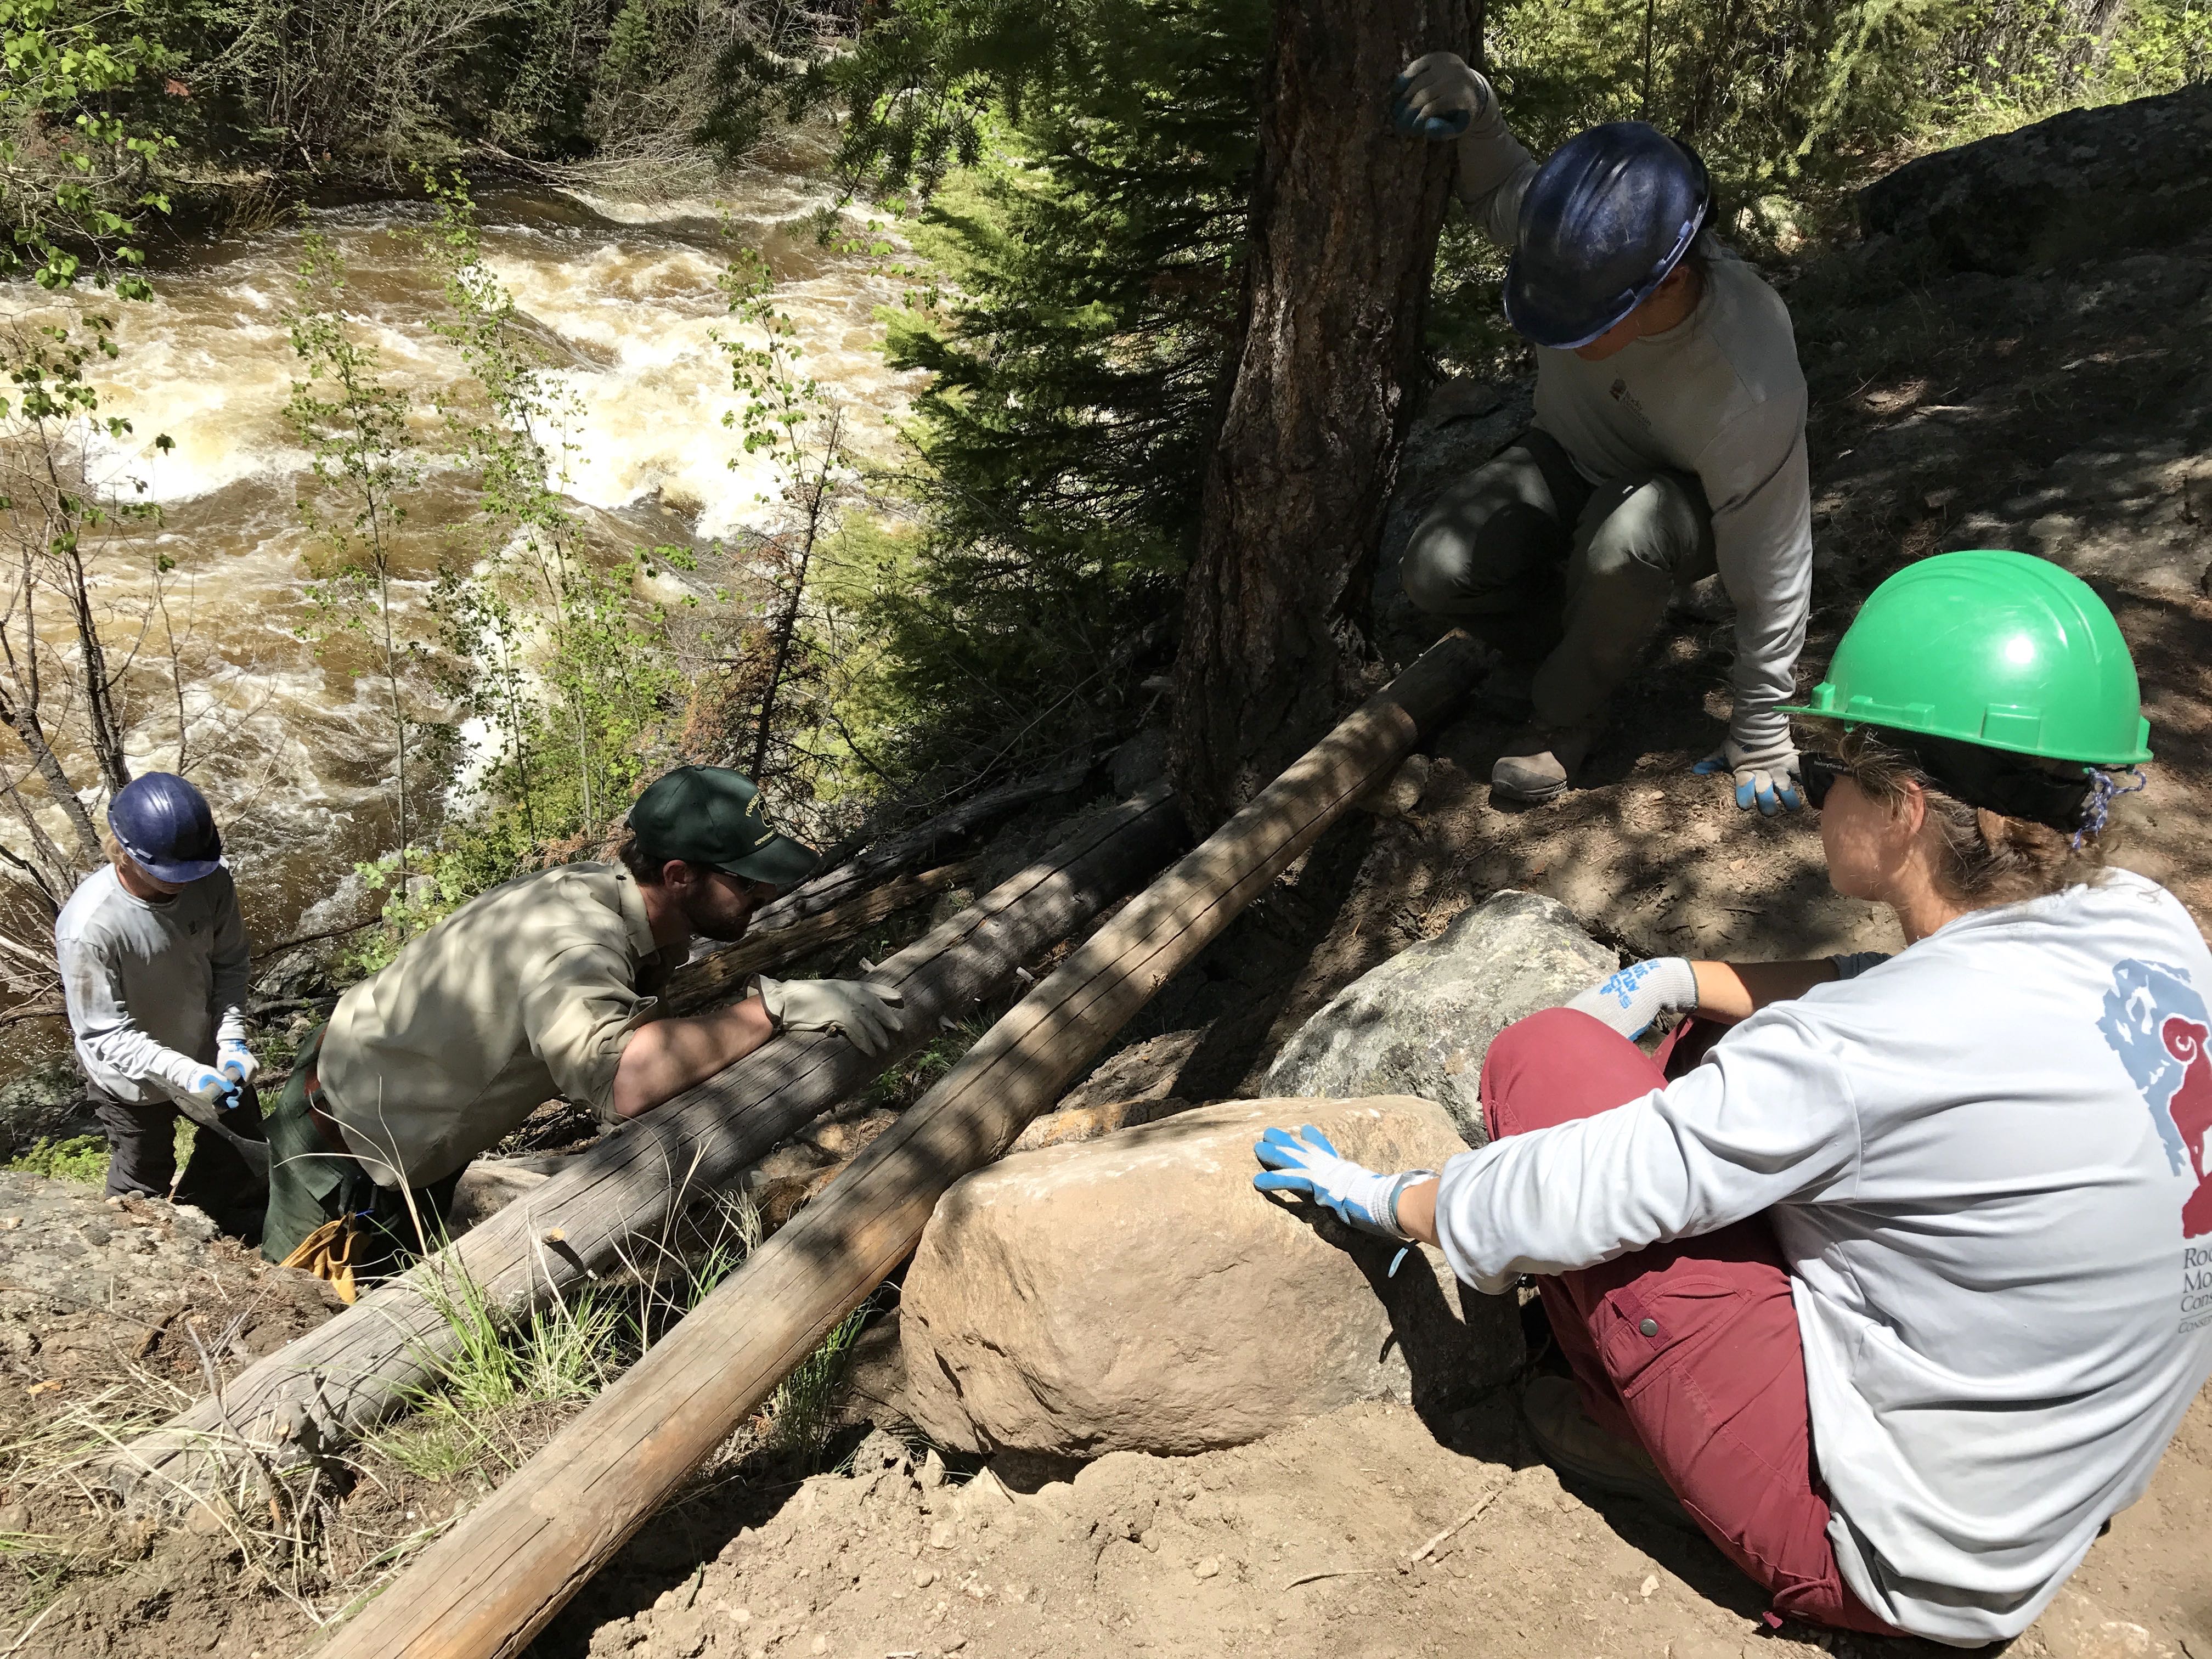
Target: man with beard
[(543, 986)]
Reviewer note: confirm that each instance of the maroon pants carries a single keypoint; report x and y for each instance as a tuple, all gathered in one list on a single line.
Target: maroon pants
[(1690, 1348)]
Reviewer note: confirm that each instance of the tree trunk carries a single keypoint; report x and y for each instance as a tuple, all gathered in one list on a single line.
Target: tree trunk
[(1345, 215)]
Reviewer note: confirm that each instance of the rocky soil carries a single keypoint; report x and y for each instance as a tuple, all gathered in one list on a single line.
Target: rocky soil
[(2053, 395)]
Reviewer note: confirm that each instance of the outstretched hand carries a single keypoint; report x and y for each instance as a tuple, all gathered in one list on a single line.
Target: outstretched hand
[(1766, 778), (1305, 1165), (869, 1015), (1438, 96)]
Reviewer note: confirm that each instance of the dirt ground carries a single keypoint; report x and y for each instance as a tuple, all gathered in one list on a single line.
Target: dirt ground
[(2069, 414)]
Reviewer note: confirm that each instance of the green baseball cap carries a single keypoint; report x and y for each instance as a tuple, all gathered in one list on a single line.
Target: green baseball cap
[(713, 816)]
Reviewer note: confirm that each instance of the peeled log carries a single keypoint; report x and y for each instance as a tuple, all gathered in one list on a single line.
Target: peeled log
[(491, 1584), (323, 1390)]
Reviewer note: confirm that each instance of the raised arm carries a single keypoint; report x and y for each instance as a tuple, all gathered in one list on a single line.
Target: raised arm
[(1441, 98)]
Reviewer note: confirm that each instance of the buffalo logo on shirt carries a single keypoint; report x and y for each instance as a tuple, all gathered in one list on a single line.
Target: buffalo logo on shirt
[(2155, 1021)]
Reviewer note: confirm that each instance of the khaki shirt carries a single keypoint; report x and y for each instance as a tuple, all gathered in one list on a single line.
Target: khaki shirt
[(527, 992)]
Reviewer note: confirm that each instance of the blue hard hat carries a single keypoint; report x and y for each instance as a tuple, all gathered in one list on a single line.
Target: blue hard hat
[(1603, 222), (165, 826)]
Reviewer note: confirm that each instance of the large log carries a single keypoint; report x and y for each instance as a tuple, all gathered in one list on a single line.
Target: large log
[(488, 1585), (877, 861), (321, 1391)]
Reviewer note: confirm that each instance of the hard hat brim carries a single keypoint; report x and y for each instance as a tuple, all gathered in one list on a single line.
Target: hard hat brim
[(176, 870)]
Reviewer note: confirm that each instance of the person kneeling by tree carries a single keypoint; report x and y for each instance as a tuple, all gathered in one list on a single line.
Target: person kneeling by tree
[(1887, 1279), (154, 967), (1668, 441), (543, 987)]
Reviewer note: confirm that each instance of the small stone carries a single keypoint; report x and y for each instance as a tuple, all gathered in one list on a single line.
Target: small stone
[(1206, 1566), (924, 1577), (1651, 1583), (741, 1616), (932, 1471), (819, 1644), (940, 1536)]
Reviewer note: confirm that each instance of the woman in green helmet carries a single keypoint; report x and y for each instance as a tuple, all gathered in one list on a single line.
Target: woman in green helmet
[(1893, 1272)]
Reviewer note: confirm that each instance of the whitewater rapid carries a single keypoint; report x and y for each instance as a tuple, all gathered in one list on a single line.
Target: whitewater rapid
[(288, 736)]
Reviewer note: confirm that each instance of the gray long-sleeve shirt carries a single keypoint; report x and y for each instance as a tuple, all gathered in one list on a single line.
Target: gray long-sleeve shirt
[(1985, 1162), (1720, 397), (152, 986)]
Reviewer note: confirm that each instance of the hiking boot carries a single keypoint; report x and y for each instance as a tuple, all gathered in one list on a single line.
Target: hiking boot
[(1539, 763), (1574, 1446)]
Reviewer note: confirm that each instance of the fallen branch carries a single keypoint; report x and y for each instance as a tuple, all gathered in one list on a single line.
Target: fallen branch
[(1488, 1499)]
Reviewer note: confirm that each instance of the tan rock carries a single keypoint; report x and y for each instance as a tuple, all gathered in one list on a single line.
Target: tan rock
[(1073, 1123), (1135, 1293)]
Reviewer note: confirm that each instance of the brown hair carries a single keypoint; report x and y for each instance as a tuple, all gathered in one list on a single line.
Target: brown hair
[(639, 863), (1986, 857)]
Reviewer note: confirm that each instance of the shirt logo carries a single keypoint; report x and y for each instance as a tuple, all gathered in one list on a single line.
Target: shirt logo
[(2155, 1021), (1619, 393)]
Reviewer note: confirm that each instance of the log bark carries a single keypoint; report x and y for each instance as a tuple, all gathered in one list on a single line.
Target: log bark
[(626, 1193), (877, 861), (1345, 215), (488, 1585), (716, 978)]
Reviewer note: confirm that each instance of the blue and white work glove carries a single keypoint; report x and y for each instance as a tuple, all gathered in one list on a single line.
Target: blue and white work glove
[(236, 1061), (1307, 1166), (1438, 96), (1632, 999), (1766, 778), (212, 1089)]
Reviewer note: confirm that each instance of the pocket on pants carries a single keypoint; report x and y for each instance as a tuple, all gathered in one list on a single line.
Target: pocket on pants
[(1642, 1333)]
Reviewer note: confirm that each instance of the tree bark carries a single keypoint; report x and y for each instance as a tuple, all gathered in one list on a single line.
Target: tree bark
[(1345, 215)]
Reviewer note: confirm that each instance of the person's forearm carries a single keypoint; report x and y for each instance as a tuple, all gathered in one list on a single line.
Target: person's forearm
[(1732, 991), (664, 1059), (1417, 1210)]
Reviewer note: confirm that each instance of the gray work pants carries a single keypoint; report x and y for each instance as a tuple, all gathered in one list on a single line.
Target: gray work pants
[(1626, 545)]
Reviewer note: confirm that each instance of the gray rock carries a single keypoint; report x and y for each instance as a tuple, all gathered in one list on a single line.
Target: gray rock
[(1421, 1023), (2080, 186)]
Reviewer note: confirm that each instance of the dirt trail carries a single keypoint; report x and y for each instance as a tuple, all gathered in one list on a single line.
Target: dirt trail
[(1301, 1543)]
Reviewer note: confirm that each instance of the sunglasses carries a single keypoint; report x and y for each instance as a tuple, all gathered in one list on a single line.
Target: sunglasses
[(1817, 775)]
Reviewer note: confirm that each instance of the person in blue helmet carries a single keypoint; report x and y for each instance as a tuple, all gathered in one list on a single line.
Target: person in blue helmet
[(154, 965), (1669, 440)]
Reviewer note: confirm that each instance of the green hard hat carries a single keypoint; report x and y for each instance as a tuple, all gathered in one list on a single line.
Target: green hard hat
[(1999, 649)]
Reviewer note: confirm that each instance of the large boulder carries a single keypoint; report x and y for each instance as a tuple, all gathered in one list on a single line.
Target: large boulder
[(1420, 1024), (2080, 186), (1134, 1292)]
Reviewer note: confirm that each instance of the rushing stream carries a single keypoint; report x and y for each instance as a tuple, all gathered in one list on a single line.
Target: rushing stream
[(288, 739), (293, 745)]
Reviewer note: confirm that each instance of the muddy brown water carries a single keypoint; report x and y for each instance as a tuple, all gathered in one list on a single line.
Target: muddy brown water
[(292, 741)]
